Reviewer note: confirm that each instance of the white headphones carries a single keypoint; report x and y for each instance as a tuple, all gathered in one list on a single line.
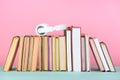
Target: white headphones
[(44, 29)]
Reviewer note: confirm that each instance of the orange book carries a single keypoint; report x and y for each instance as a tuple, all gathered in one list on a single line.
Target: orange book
[(35, 53), (25, 53), (44, 53), (12, 53), (30, 52), (19, 65)]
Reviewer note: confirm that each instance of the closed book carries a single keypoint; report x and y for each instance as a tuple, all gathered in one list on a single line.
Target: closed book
[(96, 55), (68, 34), (76, 49), (57, 55), (63, 54), (39, 61), (87, 53), (25, 53), (54, 53), (11, 54), (35, 53), (50, 67), (20, 54), (44, 53), (101, 54), (107, 56), (30, 52), (83, 53)]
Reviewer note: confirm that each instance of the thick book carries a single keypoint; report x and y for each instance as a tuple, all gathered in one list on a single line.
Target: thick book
[(20, 54), (107, 56), (11, 54), (26, 53), (44, 53), (54, 53), (35, 53), (96, 55), (76, 48), (63, 54), (68, 34), (101, 54)]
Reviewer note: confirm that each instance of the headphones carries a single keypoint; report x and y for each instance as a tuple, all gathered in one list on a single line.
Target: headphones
[(44, 29)]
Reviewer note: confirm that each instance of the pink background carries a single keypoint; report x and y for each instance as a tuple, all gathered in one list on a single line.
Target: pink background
[(98, 18)]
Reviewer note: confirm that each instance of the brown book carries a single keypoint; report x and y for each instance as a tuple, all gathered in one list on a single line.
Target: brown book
[(12, 53), (30, 52), (26, 53), (35, 53), (53, 53), (63, 54), (96, 55), (21, 47), (107, 56), (44, 53)]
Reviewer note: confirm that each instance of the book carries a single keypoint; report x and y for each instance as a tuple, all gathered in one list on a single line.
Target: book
[(30, 52), (76, 49), (39, 59), (96, 54), (35, 53), (53, 53), (68, 34), (11, 54), (25, 53), (44, 53), (20, 55), (101, 54), (57, 54), (50, 56), (63, 54), (87, 53), (107, 56), (83, 53)]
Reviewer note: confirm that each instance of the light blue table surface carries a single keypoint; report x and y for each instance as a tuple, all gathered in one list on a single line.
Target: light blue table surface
[(93, 75)]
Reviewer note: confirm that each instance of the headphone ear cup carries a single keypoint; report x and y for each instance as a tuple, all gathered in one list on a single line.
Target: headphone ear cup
[(41, 29)]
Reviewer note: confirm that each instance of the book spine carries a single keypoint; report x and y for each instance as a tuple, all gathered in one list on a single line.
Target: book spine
[(69, 50), (76, 48)]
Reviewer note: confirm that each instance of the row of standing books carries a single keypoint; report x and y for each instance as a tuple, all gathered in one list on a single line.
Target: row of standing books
[(69, 52)]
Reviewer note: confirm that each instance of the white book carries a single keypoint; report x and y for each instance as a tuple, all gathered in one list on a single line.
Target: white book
[(76, 49), (87, 53), (101, 54), (69, 50), (83, 54)]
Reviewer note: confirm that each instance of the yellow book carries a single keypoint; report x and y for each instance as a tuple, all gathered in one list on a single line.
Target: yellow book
[(12, 53), (57, 55), (63, 54), (54, 53)]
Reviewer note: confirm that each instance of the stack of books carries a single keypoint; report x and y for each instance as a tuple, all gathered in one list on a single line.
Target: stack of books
[(69, 52)]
